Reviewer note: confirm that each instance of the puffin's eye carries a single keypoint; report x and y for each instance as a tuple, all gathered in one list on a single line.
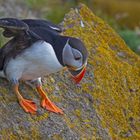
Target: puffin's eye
[(77, 55), (78, 58)]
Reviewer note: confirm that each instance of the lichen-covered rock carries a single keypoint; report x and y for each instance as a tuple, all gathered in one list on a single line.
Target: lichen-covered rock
[(104, 106)]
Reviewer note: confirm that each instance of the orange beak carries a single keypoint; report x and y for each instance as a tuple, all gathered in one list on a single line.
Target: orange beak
[(80, 74)]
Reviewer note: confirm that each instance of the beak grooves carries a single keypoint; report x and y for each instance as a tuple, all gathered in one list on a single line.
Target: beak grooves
[(79, 77)]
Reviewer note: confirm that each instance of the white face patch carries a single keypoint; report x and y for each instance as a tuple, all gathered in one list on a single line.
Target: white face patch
[(72, 57)]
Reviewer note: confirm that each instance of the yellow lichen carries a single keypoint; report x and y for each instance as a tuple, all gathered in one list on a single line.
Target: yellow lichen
[(116, 72), (112, 81)]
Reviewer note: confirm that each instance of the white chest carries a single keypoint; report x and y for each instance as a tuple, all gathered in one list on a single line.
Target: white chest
[(37, 61)]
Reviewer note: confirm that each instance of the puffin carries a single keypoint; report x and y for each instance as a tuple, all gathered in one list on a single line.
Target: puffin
[(36, 49)]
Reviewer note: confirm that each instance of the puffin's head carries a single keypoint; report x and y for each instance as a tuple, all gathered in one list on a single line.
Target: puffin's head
[(75, 58)]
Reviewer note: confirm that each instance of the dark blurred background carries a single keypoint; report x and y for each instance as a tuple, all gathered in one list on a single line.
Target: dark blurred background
[(122, 15)]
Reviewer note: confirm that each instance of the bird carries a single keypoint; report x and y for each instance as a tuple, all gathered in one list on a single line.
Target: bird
[(37, 48)]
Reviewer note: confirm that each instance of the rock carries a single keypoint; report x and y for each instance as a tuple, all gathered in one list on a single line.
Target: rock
[(16, 9), (100, 108)]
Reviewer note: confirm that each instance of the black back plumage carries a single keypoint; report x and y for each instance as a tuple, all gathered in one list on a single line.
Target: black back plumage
[(35, 23), (26, 32)]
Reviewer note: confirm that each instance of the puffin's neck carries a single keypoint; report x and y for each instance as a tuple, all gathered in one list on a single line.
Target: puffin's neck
[(58, 47)]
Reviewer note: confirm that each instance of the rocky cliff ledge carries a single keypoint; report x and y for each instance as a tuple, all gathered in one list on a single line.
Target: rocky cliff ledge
[(104, 106)]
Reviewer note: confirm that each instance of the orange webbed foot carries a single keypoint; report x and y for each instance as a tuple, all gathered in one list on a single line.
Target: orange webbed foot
[(47, 104), (28, 106)]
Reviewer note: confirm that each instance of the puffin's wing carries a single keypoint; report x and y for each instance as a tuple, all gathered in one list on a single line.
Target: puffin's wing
[(22, 38), (6, 51), (35, 23), (12, 26)]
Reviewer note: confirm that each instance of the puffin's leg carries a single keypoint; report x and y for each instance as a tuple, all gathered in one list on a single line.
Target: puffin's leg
[(27, 105), (46, 102)]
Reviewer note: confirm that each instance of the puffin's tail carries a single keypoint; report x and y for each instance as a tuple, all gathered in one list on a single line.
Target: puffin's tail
[(2, 74)]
